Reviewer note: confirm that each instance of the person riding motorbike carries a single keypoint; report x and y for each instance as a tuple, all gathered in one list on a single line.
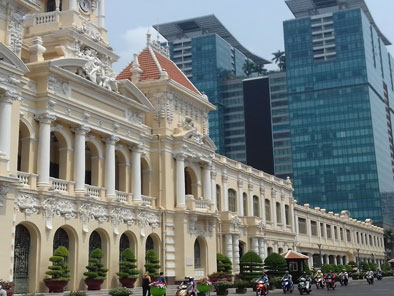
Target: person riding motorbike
[(369, 277), (379, 274), (304, 284), (319, 279), (329, 278), (187, 287), (263, 278), (289, 278), (343, 277)]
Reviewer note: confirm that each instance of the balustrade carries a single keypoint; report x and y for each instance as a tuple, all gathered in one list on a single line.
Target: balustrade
[(93, 191), (24, 178), (46, 18), (121, 196), (59, 185)]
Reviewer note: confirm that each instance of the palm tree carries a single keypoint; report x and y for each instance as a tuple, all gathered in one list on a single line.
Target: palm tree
[(248, 67), (260, 70), (280, 59)]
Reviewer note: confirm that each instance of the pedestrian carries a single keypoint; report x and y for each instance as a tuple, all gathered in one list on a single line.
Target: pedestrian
[(161, 279), (146, 280)]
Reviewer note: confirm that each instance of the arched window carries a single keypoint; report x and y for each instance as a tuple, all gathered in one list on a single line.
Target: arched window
[(149, 245), (256, 206), (245, 204), (21, 259), (267, 210), (61, 239), (124, 243), (280, 250), (269, 251), (218, 197), (88, 166), (94, 242), (232, 200), (287, 214), (278, 213), (197, 254), (188, 183), (54, 170)]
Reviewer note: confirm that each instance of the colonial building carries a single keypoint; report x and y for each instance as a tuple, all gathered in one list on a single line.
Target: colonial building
[(88, 160)]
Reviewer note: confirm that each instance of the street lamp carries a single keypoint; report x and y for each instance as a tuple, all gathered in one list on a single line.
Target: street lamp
[(321, 258)]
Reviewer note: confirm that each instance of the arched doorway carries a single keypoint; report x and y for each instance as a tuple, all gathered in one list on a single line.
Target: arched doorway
[(242, 248), (190, 182), (21, 259), (59, 154), (149, 245), (93, 156), (25, 140), (61, 239), (269, 251), (197, 254), (200, 257), (95, 242)]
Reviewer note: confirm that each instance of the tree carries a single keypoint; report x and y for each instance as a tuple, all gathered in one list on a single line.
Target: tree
[(152, 263), (127, 267), (275, 264), (59, 270), (280, 59), (248, 68), (251, 266), (96, 270), (260, 70), (386, 266), (389, 240), (223, 263)]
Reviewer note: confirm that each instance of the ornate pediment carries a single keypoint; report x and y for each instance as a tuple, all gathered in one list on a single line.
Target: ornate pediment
[(11, 60)]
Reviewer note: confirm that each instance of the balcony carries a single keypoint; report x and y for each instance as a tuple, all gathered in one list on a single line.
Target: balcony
[(198, 204), (148, 201), (26, 179), (61, 186), (122, 197)]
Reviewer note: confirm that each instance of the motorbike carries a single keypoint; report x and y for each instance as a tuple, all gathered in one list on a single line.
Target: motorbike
[(379, 277), (343, 280), (185, 289), (261, 289), (304, 286), (319, 282), (330, 284), (370, 279), (287, 286)]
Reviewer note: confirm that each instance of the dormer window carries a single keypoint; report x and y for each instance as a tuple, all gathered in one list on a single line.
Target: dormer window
[(51, 5)]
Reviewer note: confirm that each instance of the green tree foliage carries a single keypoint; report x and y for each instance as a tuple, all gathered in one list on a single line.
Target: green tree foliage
[(275, 265), (327, 267), (96, 269), (248, 67), (389, 240), (152, 263), (224, 263), (280, 59), (386, 266), (364, 266), (59, 270), (127, 267), (251, 266)]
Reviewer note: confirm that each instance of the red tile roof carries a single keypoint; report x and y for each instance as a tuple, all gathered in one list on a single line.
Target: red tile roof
[(290, 254), (151, 71), (391, 261)]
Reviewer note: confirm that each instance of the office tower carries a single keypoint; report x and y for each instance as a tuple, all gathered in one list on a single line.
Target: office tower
[(209, 55), (341, 99)]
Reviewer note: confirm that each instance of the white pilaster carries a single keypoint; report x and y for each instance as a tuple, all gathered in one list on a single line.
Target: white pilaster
[(241, 198), (292, 215), (136, 172), (262, 204), (213, 189), (79, 158), (236, 253), (101, 14), (110, 165), (225, 192), (283, 210), (5, 123), (250, 200), (180, 180), (273, 208), (229, 246), (262, 248), (255, 245), (44, 147), (207, 184)]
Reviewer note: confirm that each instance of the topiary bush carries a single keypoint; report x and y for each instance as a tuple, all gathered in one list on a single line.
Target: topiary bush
[(251, 266), (275, 265), (127, 267), (59, 270), (96, 270), (224, 263), (152, 263)]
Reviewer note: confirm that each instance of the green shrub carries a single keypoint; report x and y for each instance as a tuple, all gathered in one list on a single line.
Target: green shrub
[(275, 265), (240, 284), (96, 270), (327, 267), (221, 287), (59, 270), (373, 266), (152, 263), (352, 264), (364, 266), (76, 293), (120, 292), (251, 266), (348, 268), (386, 266), (127, 267), (220, 275), (223, 263)]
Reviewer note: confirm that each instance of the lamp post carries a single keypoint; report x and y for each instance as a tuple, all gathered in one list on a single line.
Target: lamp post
[(358, 259), (321, 258)]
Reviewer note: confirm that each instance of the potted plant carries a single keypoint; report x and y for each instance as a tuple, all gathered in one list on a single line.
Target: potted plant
[(127, 269), (96, 273), (241, 286), (8, 287), (157, 288), (120, 292), (220, 277), (152, 264), (204, 286), (223, 263), (221, 287), (58, 272)]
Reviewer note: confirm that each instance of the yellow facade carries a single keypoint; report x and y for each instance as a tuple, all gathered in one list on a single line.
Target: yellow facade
[(86, 161)]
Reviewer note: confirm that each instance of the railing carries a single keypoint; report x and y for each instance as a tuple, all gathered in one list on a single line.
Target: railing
[(24, 178), (121, 196), (59, 185), (92, 191), (202, 204), (46, 18), (147, 200)]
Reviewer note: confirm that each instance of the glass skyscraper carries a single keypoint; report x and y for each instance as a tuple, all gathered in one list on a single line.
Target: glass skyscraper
[(341, 102), (213, 60)]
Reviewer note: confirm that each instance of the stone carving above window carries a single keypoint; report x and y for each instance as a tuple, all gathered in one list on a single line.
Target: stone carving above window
[(15, 26), (58, 86), (200, 228), (89, 212), (3, 193), (134, 116), (91, 31), (27, 204), (120, 215), (58, 207)]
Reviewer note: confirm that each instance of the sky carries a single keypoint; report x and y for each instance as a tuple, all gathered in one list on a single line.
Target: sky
[(256, 24)]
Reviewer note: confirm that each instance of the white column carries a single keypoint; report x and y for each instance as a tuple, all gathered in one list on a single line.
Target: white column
[(79, 157), (44, 147), (73, 4), (57, 2), (262, 204), (236, 253), (101, 14), (207, 184), (292, 214), (180, 180), (262, 248), (229, 246), (241, 198), (273, 203), (283, 209), (136, 172), (110, 165), (5, 123), (250, 200), (255, 245), (225, 192), (213, 189)]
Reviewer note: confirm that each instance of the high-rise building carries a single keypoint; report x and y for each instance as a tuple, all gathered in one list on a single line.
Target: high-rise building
[(341, 101), (209, 55)]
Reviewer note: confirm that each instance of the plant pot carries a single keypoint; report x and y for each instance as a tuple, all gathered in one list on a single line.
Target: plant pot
[(203, 288), (127, 283), (10, 292), (55, 286), (156, 291), (222, 292), (241, 290), (93, 285)]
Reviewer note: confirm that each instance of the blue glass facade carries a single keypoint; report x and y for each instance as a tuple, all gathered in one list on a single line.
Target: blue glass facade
[(340, 93)]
